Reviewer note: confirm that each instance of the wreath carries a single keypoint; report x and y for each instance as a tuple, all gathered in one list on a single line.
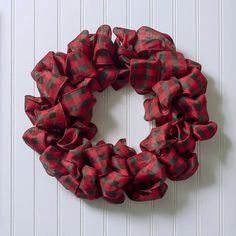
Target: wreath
[(62, 129)]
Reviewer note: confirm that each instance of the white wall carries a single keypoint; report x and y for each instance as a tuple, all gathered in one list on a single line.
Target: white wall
[(34, 204)]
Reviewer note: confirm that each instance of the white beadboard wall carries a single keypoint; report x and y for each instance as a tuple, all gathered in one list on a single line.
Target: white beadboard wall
[(34, 204)]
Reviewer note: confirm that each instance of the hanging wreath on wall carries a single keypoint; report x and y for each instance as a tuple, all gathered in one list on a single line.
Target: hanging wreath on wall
[(62, 129)]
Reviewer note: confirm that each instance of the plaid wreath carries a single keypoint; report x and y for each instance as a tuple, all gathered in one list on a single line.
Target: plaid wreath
[(62, 129)]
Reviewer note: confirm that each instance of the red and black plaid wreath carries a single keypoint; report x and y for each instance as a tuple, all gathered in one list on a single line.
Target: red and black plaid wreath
[(62, 131)]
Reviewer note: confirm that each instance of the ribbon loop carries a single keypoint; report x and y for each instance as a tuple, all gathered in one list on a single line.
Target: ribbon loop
[(149, 177), (88, 187), (80, 43), (194, 83), (79, 103), (79, 67), (172, 64), (53, 62), (86, 131), (145, 166), (104, 48), (194, 109), (98, 156), (52, 118), (50, 84), (51, 159), (154, 111), (204, 131), (185, 140), (158, 138), (39, 139), (150, 40), (143, 74), (32, 104), (175, 163), (121, 149), (166, 91), (146, 192), (112, 186), (70, 139)]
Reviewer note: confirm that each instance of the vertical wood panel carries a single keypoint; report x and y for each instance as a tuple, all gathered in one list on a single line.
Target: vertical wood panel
[(94, 211), (116, 122), (46, 186), (186, 39), (70, 206), (6, 221), (164, 209), (209, 151), (139, 128), (23, 57), (228, 121)]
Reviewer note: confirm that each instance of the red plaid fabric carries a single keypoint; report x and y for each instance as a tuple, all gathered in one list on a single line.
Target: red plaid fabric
[(150, 40), (70, 139), (69, 182), (52, 118), (51, 159), (125, 47), (77, 155), (166, 91), (143, 74), (35, 138), (154, 111), (185, 140), (125, 37), (75, 159), (49, 85), (104, 48), (118, 164), (81, 43), (86, 131), (194, 109), (91, 84), (174, 163), (125, 51), (62, 129), (106, 76), (32, 104), (99, 156), (39, 139), (146, 191), (121, 80), (88, 187), (158, 138), (112, 186), (79, 67), (79, 103), (172, 64), (179, 167), (146, 170), (194, 83), (204, 131), (53, 62), (192, 163), (121, 149), (146, 166), (192, 64)]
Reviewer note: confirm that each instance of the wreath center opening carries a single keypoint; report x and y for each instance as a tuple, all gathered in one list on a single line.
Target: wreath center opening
[(119, 114)]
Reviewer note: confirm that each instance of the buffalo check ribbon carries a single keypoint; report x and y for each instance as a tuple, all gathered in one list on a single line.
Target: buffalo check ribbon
[(62, 130)]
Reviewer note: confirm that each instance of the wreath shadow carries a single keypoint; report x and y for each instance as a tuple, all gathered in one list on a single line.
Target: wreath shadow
[(183, 193)]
